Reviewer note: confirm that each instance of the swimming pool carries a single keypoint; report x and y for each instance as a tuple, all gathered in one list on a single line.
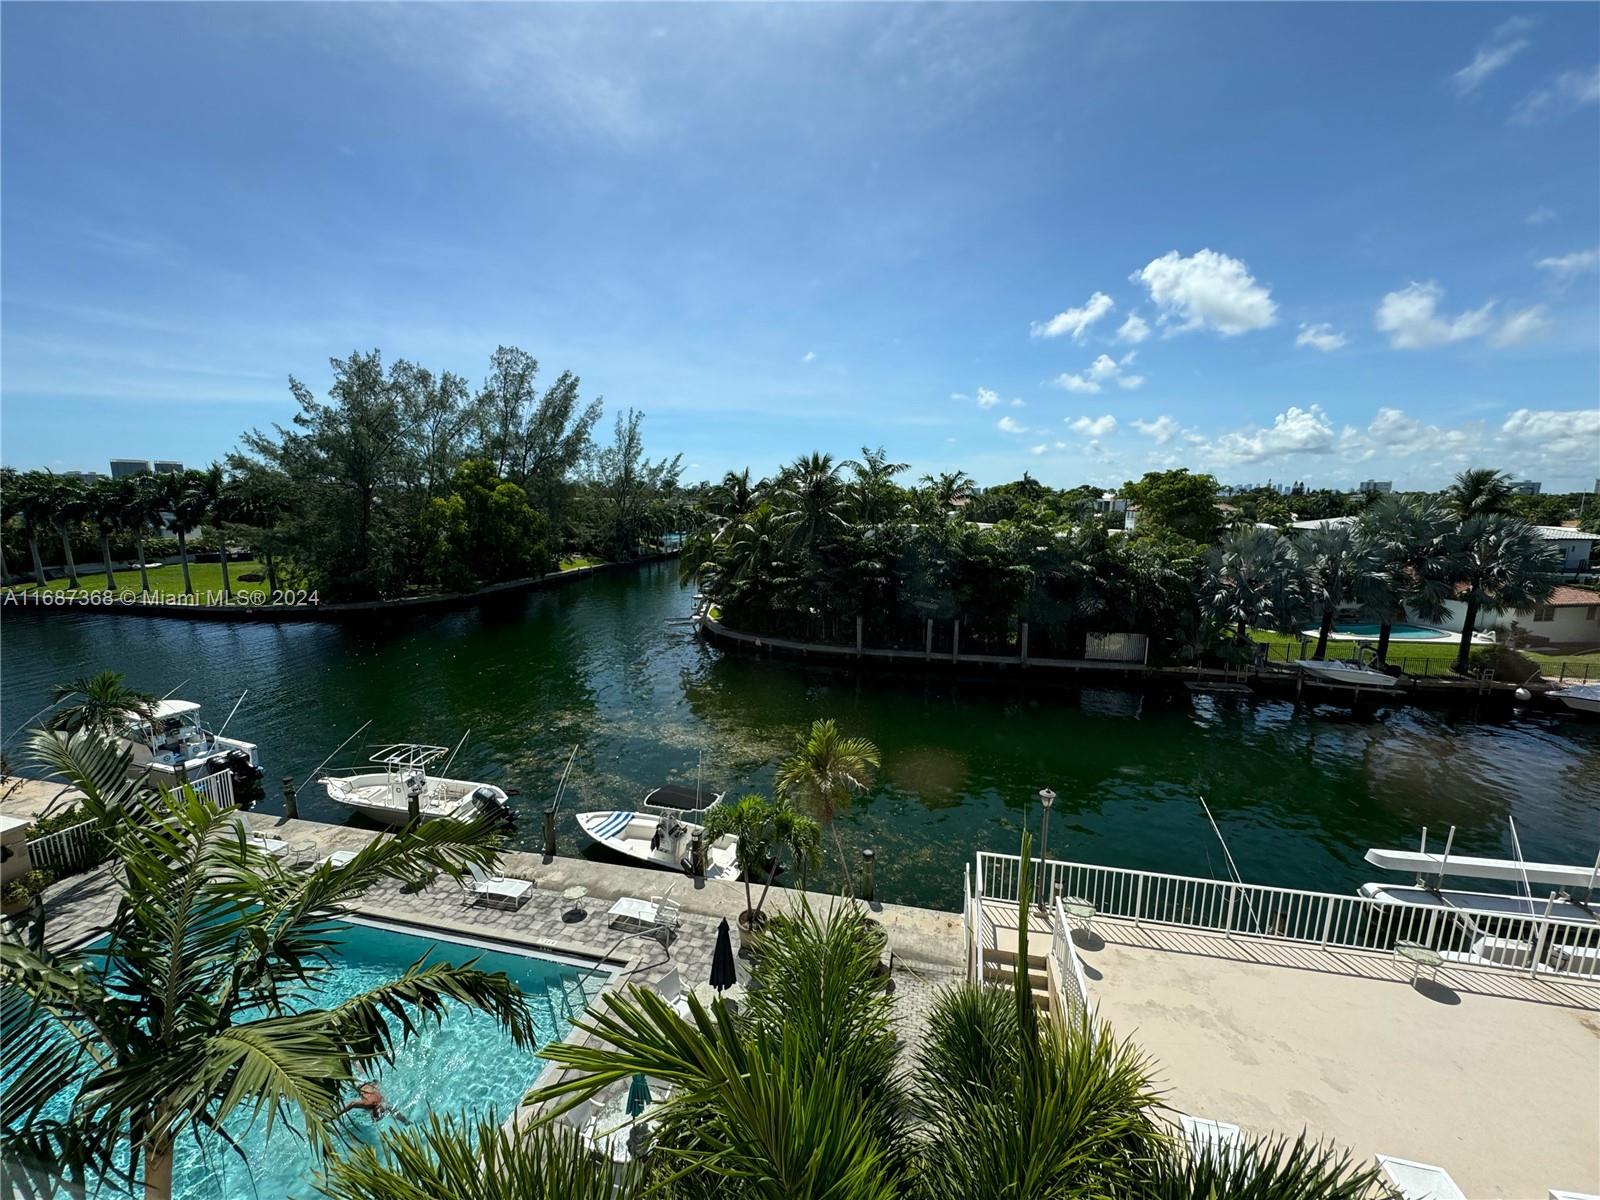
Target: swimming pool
[(467, 1063), (1397, 633)]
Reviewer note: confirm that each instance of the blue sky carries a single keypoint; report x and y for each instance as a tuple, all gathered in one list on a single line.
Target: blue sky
[(1293, 242)]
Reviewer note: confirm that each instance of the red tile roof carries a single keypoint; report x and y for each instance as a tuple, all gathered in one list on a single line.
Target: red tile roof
[(1565, 596)]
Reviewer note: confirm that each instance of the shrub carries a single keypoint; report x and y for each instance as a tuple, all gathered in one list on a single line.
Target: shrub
[(26, 887), (1505, 662)]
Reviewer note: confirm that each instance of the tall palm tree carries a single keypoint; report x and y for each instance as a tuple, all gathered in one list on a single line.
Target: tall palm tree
[(809, 503), (101, 704), (948, 486), (223, 504), (1478, 492), (1499, 562), (67, 507), (1330, 558), (1406, 545), (1253, 579), (194, 1010), (105, 508), (872, 488), (824, 772), (190, 496), (28, 497), (145, 507)]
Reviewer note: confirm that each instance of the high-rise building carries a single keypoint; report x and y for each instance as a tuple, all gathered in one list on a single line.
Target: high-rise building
[(1526, 487), (84, 477), (123, 468), (165, 466), (1380, 487)]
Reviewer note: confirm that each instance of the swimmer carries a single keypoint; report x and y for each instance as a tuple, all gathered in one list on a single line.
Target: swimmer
[(370, 1097)]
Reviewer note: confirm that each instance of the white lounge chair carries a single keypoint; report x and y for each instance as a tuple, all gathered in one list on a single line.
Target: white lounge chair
[(496, 890), (1215, 1138), (666, 912), (276, 847), (1419, 1181)]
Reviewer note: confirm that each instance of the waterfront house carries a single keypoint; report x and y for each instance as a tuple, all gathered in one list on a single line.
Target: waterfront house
[(1570, 618), (1576, 546)]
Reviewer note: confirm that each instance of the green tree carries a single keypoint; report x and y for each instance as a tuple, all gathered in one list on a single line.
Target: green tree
[(105, 506), (199, 1020), (29, 496), (68, 506), (825, 771), (484, 531), (101, 704), (1499, 562), (1478, 492), (1407, 545), (1331, 558), (145, 498), (1177, 501), (768, 832), (1253, 580), (628, 481), (535, 440), (190, 496)]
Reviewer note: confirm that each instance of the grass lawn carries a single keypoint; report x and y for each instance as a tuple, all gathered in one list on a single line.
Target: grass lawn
[(572, 564), (1416, 658), (167, 580)]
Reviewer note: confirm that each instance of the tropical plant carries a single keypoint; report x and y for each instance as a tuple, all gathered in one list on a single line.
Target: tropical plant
[(104, 505), (1177, 501), (100, 703), (1331, 557), (1406, 545), (871, 489), (68, 506), (145, 505), (192, 496), (768, 831), (1267, 1168), (824, 772), (29, 497), (1253, 580), (1501, 563), (1478, 492), (194, 1011)]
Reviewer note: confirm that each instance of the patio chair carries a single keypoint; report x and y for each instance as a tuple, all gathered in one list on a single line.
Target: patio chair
[(666, 912), (1418, 1181), (275, 847), (1217, 1139), (495, 890), (1422, 958)]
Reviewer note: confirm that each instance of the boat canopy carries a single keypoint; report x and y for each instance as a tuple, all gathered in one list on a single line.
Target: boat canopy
[(672, 795), (408, 754), (163, 709), (1508, 869)]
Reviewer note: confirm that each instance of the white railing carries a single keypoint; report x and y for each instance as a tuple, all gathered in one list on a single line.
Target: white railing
[(1526, 941), (1069, 967), (216, 790), (69, 849), (966, 919)]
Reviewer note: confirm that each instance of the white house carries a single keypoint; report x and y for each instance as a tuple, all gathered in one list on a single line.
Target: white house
[(1576, 546), (1572, 617)]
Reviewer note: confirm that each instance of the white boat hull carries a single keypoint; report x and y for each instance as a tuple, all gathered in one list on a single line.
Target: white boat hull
[(381, 797), (1584, 698), (1346, 674), (634, 835), (196, 760)]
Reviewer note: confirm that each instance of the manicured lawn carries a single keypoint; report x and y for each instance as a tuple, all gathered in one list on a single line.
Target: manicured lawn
[(168, 580), (572, 564), (1431, 657)]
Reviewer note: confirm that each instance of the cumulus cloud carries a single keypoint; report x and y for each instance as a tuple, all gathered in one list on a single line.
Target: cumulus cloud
[(1074, 321), (1521, 326), (1018, 402), (1130, 383), (987, 398), (1412, 320), (1094, 427), (1566, 93), (1162, 430), (1134, 330), (1293, 431), (1321, 336), (1007, 425), (1100, 372), (1076, 383), (809, 356), (1041, 448), (1503, 45), (1567, 266), (1207, 290), (1571, 435), (1542, 215)]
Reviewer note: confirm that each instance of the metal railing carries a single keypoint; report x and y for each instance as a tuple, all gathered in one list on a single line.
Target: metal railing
[(216, 790), (75, 848), (1534, 942), (1069, 967)]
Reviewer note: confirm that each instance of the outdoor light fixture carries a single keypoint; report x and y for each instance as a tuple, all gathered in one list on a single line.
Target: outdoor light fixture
[(1046, 798)]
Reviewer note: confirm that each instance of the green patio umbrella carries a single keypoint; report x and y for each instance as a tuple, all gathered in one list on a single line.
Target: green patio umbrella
[(638, 1094)]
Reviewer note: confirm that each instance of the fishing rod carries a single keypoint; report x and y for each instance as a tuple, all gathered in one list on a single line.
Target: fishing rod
[(233, 710), (329, 759), (35, 717), (555, 803), (168, 696), (445, 770), (1233, 867)]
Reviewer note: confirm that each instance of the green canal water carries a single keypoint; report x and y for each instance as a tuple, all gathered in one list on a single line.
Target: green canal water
[(1299, 793)]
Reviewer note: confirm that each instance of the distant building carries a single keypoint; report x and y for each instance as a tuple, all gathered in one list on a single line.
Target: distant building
[(165, 466), (84, 477), (1576, 546), (1525, 487), (124, 468), (1570, 617), (1375, 487)]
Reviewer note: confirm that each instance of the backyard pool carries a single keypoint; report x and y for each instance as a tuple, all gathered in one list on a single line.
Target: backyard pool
[(466, 1064), (1397, 633)]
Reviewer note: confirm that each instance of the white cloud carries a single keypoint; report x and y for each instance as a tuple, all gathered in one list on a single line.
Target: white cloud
[(961, 396), (1293, 431), (1571, 435), (1566, 93), (1076, 383), (1207, 290), (1007, 425), (1075, 321), (1094, 427), (1018, 402), (1041, 448), (1320, 337), (809, 356), (1566, 266), (1542, 215), (1161, 430), (1411, 319), (1061, 445), (1100, 372), (1130, 383), (1521, 326), (1495, 53), (1104, 367), (987, 398), (1134, 330)]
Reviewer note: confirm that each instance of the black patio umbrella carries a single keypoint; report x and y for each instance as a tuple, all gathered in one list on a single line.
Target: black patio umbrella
[(722, 974)]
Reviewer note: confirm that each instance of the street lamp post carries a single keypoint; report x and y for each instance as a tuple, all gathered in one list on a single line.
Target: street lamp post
[(1046, 798)]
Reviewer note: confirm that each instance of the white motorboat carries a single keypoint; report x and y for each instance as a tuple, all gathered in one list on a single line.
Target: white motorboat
[(660, 833), (403, 788), (174, 745), (1346, 674), (1580, 697)]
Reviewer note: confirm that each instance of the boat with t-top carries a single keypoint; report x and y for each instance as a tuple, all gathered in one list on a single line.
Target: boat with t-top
[(172, 745), (661, 832), (402, 789)]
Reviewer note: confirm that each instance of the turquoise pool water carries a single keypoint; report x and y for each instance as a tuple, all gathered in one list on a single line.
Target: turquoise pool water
[(1398, 633), (465, 1064)]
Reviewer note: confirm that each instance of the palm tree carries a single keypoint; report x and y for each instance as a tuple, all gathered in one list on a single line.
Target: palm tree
[(1253, 580), (872, 485), (1478, 492), (191, 496), (103, 704), (145, 507), (193, 1011), (1406, 545), (767, 831), (1330, 557), (67, 508), (28, 497), (948, 486), (222, 504), (105, 508), (824, 772), (258, 500), (809, 503), (1499, 562)]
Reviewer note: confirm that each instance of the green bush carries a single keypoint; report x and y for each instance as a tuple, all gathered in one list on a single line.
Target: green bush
[(65, 819), (1505, 662), (25, 888)]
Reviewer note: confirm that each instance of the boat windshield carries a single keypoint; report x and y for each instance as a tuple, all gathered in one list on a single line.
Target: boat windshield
[(682, 799)]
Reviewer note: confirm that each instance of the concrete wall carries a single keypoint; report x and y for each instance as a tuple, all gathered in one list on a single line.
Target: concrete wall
[(1570, 623)]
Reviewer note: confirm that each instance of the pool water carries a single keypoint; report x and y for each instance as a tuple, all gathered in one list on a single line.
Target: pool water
[(1397, 633), (466, 1064)]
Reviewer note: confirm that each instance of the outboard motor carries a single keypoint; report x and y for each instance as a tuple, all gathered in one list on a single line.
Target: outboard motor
[(489, 804)]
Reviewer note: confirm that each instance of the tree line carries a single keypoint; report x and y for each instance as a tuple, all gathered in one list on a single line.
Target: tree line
[(821, 545), (398, 480)]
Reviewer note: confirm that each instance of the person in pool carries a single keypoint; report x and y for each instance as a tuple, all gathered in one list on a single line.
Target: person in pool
[(370, 1097)]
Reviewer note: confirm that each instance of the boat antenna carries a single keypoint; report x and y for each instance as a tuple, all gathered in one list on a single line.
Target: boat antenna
[(444, 769), (233, 710), (329, 759), (555, 804), (35, 717), (1233, 868), (1516, 844), (1449, 841), (168, 696)]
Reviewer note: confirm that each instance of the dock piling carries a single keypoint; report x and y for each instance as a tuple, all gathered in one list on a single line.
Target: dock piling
[(291, 808), (550, 833), (869, 858)]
